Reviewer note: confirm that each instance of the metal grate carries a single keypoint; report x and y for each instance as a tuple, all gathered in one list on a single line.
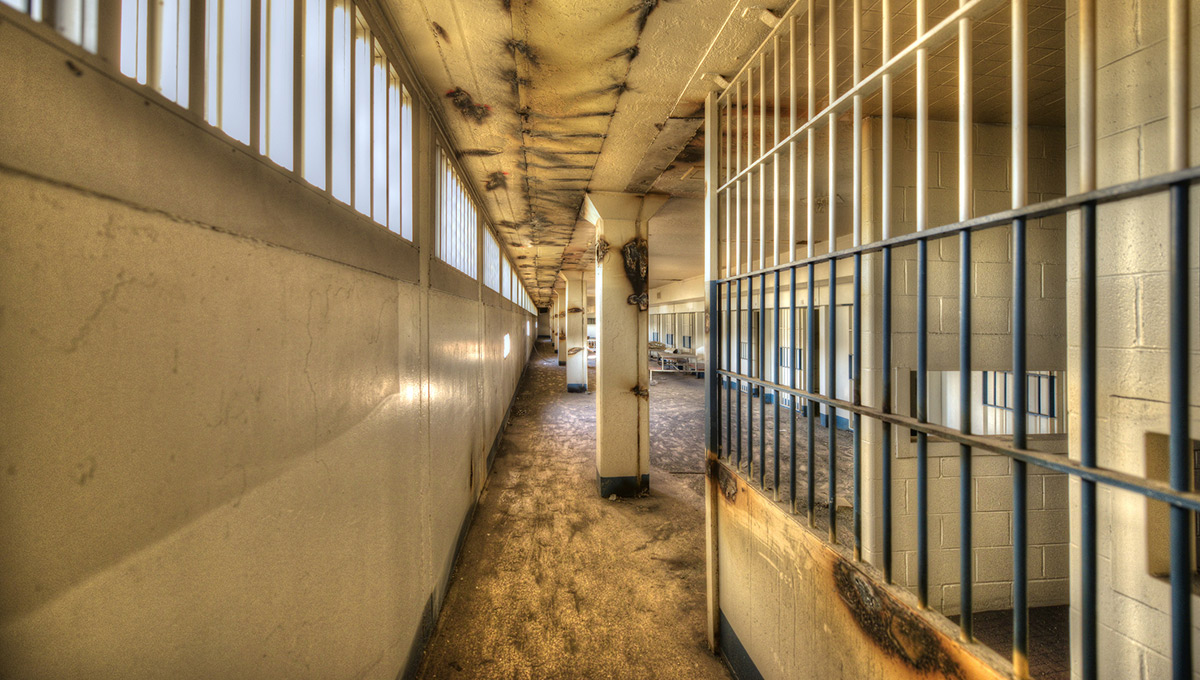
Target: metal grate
[(785, 217)]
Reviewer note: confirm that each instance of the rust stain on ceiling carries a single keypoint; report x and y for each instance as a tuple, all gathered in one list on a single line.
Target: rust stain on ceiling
[(547, 99)]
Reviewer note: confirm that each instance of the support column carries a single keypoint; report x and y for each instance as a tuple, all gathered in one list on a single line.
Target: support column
[(560, 318), (554, 322), (576, 308), (622, 371)]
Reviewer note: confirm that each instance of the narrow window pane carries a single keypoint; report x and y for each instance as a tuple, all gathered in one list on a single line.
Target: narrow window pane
[(393, 144), (406, 164), (212, 81), (340, 144), (70, 20), (133, 38), (313, 166), (277, 80), (182, 35), (379, 149), (169, 59), (362, 118), (235, 69)]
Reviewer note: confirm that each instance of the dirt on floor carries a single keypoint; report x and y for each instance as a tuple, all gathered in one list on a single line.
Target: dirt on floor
[(554, 581)]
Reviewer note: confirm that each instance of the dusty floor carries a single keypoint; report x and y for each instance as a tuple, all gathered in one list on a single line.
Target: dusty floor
[(554, 581), (1049, 639)]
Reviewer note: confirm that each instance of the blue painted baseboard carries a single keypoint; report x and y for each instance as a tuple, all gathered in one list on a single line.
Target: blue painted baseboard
[(576, 387), (735, 654)]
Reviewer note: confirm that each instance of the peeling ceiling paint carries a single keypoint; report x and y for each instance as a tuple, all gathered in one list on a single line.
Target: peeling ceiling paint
[(548, 99)]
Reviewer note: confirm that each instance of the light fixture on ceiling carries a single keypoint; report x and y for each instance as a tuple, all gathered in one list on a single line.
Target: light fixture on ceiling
[(716, 79), (762, 14)]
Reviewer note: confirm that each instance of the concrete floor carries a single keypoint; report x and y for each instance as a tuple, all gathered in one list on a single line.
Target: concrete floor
[(554, 581)]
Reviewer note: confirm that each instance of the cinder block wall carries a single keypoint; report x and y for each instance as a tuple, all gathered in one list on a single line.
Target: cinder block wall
[(217, 394), (991, 350), (1133, 378)]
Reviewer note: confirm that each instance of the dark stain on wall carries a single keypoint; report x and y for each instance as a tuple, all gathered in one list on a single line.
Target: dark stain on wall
[(725, 480), (896, 629), (522, 48), (496, 180), (440, 32), (642, 9), (629, 53), (466, 105), (637, 270)]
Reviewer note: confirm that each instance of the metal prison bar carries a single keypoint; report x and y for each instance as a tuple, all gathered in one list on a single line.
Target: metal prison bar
[(742, 162)]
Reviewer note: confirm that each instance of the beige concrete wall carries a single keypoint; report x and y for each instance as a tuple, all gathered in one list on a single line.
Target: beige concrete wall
[(991, 278), (1133, 379), (804, 609), (242, 432)]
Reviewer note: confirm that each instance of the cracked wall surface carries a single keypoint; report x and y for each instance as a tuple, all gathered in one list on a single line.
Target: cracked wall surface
[(233, 447)]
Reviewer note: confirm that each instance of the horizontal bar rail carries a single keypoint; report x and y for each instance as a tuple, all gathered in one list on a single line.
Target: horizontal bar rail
[(1159, 491), (945, 31), (1054, 206)]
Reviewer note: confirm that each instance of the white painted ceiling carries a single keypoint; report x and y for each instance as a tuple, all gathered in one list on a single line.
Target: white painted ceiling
[(580, 95), (608, 96)]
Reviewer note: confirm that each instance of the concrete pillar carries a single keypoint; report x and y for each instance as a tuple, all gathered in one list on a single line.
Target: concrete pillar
[(576, 322), (622, 371), (560, 335)]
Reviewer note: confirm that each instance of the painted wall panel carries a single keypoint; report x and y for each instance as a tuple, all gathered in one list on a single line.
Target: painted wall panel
[(216, 439)]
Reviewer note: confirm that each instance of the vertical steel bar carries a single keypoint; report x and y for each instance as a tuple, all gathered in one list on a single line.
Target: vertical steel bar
[(762, 392), (256, 89), (154, 39), (922, 397), (792, 368), (965, 189), (811, 407), (740, 371), (1020, 145), (737, 229), (711, 374), (810, 198), (1087, 340), (885, 360), (108, 32), (738, 158), (775, 160), (762, 168), (1180, 442), (299, 48), (751, 342), (750, 117), (792, 152), (775, 361), (856, 319), (810, 201), (329, 96), (1020, 417), (728, 126), (729, 200), (197, 41), (922, 417), (831, 320), (749, 264), (729, 366)]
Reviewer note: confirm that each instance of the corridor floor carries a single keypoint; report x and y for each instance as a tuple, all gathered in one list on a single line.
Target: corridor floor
[(556, 582)]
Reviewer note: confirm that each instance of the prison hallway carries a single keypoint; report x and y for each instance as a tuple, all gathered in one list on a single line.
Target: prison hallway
[(554, 581)]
